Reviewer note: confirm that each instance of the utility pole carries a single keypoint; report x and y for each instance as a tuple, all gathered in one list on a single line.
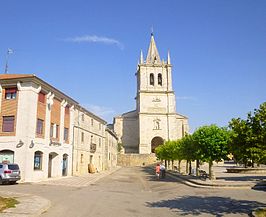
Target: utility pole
[(9, 51)]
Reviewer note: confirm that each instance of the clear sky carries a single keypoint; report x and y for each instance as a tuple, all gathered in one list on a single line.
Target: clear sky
[(90, 49)]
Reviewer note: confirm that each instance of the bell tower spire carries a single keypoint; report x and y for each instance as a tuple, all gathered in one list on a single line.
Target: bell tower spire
[(168, 58), (141, 57), (153, 54)]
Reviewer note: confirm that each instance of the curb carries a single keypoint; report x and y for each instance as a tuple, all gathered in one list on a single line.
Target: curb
[(206, 185)]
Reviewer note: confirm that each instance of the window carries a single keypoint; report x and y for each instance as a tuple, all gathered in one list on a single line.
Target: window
[(100, 126), (81, 158), (10, 93), (52, 130), (67, 110), (38, 160), (41, 97), (82, 117), (91, 139), (160, 82), (151, 79), (8, 124), (66, 134), (82, 137), (57, 132), (100, 142), (39, 128), (91, 122)]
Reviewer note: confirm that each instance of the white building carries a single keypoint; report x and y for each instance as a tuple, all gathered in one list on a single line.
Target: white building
[(37, 126), (155, 119)]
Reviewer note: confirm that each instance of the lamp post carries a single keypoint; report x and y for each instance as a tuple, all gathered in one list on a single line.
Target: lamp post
[(9, 51)]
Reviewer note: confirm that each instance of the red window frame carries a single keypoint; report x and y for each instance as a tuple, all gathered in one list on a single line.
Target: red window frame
[(8, 124)]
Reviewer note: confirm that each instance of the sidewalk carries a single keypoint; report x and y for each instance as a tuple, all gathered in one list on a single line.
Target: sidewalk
[(77, 181), (33, 206), (223, 179)]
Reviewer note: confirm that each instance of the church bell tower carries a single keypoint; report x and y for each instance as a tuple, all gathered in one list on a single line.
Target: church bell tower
[(155, 100)]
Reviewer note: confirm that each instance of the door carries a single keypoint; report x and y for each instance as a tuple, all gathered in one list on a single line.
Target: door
[(7, 156), (65, 164), (50, 166)]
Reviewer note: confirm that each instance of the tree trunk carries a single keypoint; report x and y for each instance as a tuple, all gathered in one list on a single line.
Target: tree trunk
[(197, 167), (172, 164), (179, 166), (190, 168), (165, 163), (211, 173), (187, 167)]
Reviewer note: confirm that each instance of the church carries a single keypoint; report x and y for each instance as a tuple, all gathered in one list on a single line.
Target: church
[(155, 119)]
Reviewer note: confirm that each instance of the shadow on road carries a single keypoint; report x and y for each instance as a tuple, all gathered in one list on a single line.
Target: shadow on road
[(150, 171), (242, 178), (217, 206)]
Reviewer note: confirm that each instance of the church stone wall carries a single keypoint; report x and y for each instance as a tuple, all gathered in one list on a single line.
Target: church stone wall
[(136, 159), (149, 128), (130, 135)]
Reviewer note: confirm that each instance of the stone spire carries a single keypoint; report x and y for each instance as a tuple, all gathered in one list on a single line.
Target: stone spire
[(141, 57), (168, 58), (153, 54)]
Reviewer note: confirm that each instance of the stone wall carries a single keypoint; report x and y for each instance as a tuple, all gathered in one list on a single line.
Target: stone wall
[(136, 159)]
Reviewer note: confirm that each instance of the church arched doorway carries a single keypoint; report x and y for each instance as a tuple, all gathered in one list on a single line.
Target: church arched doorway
[(155, 142)]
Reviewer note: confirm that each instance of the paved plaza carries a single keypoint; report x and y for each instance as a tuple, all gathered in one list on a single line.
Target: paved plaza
[(132, 191)]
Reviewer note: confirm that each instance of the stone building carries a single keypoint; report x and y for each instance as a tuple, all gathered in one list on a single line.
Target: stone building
[(95, 145), (155, 119), (111, 149), (47, 132)]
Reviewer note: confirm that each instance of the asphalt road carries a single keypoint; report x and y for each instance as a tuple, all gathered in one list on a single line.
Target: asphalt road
[(134, 192)]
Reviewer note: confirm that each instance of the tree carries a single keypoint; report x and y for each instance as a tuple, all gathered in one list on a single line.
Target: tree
[(189, 151), (212, 142), (168, 151), (249, 137)]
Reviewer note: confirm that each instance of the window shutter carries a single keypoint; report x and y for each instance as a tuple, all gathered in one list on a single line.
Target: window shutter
[(8, 124)]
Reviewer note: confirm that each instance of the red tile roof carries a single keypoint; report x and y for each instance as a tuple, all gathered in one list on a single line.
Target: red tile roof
[(12, 76)]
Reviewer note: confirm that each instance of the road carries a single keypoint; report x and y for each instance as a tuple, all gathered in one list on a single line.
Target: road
[(134, 192)]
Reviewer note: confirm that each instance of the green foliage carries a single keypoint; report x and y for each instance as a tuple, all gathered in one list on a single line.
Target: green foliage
[(119, 147), (211, 142), (188, 149), (6, 203), (168, 151), (249, 137)]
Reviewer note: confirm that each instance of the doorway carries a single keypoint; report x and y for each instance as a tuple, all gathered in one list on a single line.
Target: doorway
[(52, 156), (155, 142), (65, 165), (7, 156)]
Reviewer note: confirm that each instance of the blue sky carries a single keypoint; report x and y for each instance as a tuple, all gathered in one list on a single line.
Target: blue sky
[(90, 49)]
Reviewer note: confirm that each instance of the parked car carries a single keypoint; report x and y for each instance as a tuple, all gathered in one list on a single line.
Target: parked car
[(9, 173)]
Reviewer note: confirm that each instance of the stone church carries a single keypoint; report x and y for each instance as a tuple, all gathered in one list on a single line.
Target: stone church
[(155, 119)]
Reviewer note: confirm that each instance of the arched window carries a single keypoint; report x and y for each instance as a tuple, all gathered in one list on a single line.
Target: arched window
[(151, 79), (160, 82), (38, 160)]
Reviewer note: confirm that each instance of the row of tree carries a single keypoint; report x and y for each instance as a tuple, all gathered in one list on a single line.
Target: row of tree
[(245, 139)]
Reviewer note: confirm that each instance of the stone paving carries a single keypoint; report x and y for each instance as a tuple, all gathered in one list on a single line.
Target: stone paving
[(33, 206), (77, 181), (29, 205)]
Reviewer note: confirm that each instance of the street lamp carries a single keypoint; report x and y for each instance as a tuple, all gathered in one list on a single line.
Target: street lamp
[(9, 51)]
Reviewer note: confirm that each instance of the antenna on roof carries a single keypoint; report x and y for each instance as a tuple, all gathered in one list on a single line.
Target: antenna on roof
[(9, 51), (151, 30)]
